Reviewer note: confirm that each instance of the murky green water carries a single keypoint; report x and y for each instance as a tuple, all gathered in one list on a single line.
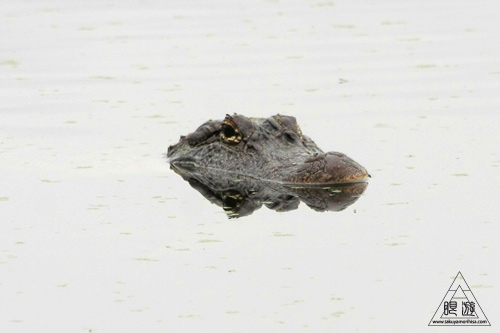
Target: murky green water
[(98, 234)]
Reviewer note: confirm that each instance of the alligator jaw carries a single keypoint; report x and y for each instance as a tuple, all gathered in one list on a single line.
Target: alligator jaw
[(186, 163)]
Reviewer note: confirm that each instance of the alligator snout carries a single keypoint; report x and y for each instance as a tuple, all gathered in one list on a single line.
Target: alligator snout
[(331, 167)]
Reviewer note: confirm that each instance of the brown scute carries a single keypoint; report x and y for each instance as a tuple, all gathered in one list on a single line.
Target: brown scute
[(288, 122), (203, 132), (244, 125)]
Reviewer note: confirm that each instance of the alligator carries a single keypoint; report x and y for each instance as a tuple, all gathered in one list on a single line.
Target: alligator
[(272, 150)]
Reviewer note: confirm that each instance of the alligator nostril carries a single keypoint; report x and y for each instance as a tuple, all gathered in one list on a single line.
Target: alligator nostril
[(344, 169)]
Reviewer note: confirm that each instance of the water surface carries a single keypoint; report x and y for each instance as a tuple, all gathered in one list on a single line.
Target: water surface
[(98, 234)]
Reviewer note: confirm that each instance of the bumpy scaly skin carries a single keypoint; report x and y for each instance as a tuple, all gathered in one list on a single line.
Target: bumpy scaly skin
[(271, 149)]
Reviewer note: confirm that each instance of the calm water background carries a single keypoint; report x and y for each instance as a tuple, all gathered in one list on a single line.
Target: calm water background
[(98, 234)]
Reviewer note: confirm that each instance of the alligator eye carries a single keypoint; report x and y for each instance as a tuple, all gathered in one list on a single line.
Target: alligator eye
[(232, 201), (229, 133)]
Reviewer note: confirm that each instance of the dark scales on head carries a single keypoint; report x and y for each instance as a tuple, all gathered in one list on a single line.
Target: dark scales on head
[(272, 149)]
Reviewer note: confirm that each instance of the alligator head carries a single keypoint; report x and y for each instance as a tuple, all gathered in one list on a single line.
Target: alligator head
[(272, 149)]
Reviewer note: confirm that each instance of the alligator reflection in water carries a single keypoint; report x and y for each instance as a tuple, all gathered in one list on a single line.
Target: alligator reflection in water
[(241, 195)]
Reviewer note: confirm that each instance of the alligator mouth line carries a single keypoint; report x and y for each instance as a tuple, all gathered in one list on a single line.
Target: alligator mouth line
[(190, 166), (184, 164)]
